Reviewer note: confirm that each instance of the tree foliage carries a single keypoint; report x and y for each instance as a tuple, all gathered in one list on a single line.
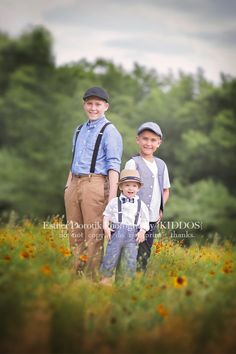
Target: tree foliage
[(41, 104)]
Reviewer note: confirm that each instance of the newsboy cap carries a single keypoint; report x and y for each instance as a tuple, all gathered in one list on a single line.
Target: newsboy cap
[(150, 126), (130, 176), (97, 92)]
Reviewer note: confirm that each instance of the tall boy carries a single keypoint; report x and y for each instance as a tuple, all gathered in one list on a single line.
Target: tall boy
[(154, 173), (92, 181)]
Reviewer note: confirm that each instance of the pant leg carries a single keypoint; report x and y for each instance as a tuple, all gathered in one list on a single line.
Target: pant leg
[(129, 253), (144, 250), (112, 255), (74, 217), (93, 198), (75, 225)]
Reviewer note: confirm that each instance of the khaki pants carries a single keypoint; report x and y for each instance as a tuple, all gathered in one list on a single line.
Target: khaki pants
[(85, 200)]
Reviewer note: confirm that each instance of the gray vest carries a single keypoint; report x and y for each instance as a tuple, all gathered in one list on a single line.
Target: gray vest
[(147, 178)]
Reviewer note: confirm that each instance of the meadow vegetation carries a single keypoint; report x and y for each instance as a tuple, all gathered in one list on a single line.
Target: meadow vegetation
[(184, 304)]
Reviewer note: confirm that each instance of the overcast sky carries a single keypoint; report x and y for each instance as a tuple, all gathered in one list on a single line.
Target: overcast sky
[(160, 34)]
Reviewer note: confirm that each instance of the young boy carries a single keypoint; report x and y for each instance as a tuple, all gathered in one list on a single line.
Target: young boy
[(96, 158), (154, 173), (130, 220)]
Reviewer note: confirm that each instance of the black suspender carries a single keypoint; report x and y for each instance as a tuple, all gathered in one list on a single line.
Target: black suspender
[(120, 212), (76, 136), (138, 212), (96, 146)]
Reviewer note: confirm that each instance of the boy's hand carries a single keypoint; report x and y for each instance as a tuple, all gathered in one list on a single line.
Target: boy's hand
[(140, 236), (160, 217), (107, 232)]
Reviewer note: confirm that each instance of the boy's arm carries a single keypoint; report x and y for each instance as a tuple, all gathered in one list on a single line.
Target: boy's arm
[(113, 148), (144, 225), (166, 193), (113, 180), (68, 180), (106, 228)]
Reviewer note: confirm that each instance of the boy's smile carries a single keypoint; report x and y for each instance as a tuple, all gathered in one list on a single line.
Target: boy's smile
[(148, 143), (95, 107), (129, 189)]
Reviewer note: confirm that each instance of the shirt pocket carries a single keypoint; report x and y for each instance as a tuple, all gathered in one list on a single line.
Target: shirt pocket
[(90, 143)]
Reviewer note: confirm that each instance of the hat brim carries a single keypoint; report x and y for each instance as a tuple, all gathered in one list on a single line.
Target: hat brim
[(95, 96), (130, 179), (151, 130)]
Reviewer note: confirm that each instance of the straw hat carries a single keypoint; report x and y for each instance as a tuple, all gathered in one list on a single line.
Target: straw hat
[(130, 176)]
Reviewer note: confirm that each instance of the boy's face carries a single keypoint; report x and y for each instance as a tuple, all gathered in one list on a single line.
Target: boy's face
[(95, 107), (148, 143), (129, 189)]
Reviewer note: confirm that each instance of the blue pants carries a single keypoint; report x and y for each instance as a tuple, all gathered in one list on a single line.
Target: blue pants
[(123, 243)]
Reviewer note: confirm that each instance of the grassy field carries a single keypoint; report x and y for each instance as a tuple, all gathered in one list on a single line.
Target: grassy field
[(186, 303)]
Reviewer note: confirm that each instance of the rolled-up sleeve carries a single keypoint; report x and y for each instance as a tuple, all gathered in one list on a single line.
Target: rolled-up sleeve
[(114, 148)]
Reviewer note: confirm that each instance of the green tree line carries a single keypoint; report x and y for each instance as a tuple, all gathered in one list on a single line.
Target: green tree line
[(41, 104)]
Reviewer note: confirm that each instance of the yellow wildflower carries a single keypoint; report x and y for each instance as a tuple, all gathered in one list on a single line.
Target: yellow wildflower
[(227, 269), (24, 255), (83, 257), (7, 258), (180, 281), (65, 251), (161, 309), (46, 270)]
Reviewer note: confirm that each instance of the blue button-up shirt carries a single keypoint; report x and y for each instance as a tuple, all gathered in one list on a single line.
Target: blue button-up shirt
[(109, 153)]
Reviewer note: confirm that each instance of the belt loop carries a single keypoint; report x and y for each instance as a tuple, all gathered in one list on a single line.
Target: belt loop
[(90, 177)]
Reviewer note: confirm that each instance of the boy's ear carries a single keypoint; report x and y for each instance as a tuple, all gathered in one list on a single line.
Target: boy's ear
[(107, 106), (160, 142)]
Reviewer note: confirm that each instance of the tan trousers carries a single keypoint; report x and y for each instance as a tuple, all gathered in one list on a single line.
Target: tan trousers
[(85, 200)]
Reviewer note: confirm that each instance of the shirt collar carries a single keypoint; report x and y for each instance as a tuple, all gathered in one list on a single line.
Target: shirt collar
[(123, 196), (94, 123)]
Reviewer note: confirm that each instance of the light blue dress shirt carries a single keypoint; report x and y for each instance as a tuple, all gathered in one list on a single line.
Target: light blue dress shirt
[(109, 153)]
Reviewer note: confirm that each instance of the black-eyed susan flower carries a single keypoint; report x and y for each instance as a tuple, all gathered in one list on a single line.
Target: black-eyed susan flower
[(158, 247), (24, 255), (180, 281), (7, 258), (83, 258), (227, 269), (65, 251)]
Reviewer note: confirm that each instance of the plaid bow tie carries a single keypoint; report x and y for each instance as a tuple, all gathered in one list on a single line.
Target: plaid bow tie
[(125, 200)]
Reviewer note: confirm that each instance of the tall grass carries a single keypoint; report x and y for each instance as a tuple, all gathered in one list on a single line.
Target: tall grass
[(184, 304)]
